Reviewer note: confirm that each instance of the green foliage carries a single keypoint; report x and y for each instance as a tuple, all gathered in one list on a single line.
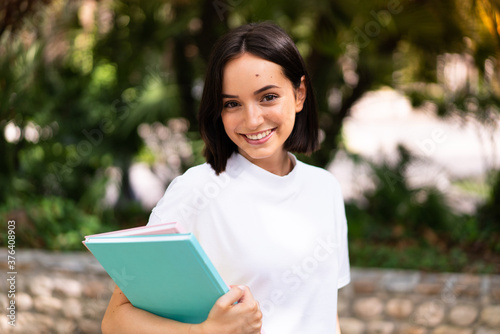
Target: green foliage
[(489, 213), (400, 226), (414, 256), (396, 209), (428, 258), (49, 222)]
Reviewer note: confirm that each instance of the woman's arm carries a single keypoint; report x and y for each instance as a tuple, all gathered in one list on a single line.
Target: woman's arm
[(338, 325), (225, 317), (122, 317)]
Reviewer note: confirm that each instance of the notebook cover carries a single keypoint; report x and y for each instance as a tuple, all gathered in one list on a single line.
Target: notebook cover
[(168, 275)]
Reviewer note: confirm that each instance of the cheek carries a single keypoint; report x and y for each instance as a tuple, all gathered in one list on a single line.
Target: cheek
[(228, 123), (288, 113)]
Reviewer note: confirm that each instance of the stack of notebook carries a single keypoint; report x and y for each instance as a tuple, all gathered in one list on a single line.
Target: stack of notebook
[(161, 270)]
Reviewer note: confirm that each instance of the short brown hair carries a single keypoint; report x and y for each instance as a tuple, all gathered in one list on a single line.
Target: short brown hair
[(270, 42)]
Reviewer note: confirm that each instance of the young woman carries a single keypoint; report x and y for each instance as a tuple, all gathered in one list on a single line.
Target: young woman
[(274, 227)]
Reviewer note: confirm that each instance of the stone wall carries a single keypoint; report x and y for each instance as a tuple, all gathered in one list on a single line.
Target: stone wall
[(55, 293), (69, 292), (412, 302)]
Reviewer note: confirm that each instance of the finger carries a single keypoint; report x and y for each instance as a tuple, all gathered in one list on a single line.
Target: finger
[(248, 301), (231, 297), (247, 296)]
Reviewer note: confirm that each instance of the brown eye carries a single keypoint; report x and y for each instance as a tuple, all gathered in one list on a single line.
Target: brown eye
[(269, 97), (230, 104)]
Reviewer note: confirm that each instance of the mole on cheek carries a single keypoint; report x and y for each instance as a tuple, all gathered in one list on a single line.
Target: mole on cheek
[(257, 75)]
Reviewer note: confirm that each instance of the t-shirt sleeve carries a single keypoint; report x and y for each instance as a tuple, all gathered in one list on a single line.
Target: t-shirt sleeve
[(176, 205), (344, 274), (344, 267)]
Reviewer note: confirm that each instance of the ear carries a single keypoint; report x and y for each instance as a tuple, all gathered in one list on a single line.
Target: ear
[(300, 95)]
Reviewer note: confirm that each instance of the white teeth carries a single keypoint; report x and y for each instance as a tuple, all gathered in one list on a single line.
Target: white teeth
[(259, 135)]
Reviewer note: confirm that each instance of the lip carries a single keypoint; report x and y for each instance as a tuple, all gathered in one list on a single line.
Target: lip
[(258, 141)]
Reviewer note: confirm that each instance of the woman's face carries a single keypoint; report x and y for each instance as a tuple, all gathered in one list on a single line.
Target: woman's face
[(259, 107)]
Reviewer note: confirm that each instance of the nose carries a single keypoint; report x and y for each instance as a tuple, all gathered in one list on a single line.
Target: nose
[(253, 117)]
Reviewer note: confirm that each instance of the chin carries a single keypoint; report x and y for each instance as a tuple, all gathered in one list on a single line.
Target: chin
[(257, 155)]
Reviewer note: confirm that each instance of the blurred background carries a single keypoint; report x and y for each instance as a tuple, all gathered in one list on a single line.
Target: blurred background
[(98, 104)]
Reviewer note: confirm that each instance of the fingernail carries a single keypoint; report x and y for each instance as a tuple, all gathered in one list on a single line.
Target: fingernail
[(242, 287)]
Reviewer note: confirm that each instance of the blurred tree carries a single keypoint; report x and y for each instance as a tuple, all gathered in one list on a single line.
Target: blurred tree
[(488, 213), (77, 78), (13, 13)]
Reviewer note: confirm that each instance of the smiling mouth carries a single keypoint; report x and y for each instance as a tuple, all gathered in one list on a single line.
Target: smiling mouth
[(260, 135)]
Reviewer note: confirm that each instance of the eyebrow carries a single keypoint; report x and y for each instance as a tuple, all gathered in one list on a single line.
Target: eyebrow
[(260, 90)]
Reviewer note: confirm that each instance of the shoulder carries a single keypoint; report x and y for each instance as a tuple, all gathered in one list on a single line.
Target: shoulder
[(317, 174), (182, 193), (320, 180), (194, 176)]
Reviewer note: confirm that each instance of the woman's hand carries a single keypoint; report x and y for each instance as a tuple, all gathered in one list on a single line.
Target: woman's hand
[(243, 317)]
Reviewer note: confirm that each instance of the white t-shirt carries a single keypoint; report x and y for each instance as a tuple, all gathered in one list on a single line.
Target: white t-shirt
[(283, 236)]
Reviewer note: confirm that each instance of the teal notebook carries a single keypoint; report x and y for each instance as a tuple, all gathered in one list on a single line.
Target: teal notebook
[(169, 275)]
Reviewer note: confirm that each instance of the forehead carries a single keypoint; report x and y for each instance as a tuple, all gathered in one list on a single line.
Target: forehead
[(249, 71)]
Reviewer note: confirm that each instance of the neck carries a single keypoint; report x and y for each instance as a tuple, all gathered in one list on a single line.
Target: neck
[(281, 164)]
